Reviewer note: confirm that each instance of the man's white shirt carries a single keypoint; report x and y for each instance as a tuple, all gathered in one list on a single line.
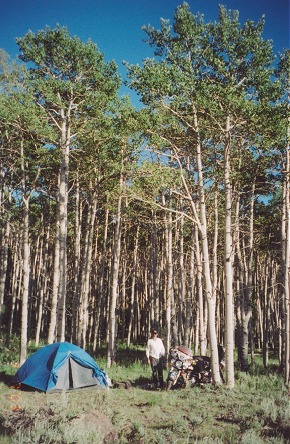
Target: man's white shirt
[(155, 348)]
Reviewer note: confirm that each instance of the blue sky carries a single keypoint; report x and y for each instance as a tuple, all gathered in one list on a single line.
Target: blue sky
[(115, 25)]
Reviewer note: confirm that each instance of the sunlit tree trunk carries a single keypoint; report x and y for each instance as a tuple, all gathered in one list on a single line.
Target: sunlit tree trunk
[(77, 260), (287, 257), (265, 315), (210, 294), (62, 201), (4, 247), (111, 353), (181, 281), (215, 260), (25, 290), (228, 260), (87, 264), (190, 292), (40, 284), (169, 282), (133, 289), (284, 106), (55, 285), (16, 278), (154, 290), (202, 312), (26, 262)]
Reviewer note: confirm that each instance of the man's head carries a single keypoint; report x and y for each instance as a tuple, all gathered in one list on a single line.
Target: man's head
[(154, 333)]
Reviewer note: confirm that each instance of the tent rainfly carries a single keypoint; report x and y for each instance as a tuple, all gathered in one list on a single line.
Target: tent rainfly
[(61, 366)]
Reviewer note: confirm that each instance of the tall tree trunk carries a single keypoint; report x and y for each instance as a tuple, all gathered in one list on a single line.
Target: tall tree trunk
[(202, 318), (153, 294), (287, 256), (63, 201), (77, 260), (40, 284), (181, 282), (102, 285), (265, 315), (169, 286), (228, 259), (4, 251), (189, 298), (215, 261), (247, 313), (87, 265), (111, 354), (202, 226), (134, 275), (210, 294), (26, 264), (55, 285), (16, 277), (244, 240), (25, 290)]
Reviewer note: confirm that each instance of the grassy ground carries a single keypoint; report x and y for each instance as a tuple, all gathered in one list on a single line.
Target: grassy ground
[(256, 411)]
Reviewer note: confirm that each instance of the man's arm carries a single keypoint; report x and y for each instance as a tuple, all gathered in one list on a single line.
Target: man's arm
[(147, 353)]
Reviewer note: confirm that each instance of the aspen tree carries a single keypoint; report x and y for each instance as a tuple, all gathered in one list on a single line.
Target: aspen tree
[(113, 296), (284, 77), (69, 79), (206, 85)]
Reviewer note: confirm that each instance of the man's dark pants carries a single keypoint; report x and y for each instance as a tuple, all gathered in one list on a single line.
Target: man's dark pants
[(157, 371)]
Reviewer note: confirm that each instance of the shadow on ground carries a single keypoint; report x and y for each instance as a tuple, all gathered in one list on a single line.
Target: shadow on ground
[(6, 378)]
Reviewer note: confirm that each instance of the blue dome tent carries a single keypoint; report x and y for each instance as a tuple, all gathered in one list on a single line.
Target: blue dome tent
[(61, 366)]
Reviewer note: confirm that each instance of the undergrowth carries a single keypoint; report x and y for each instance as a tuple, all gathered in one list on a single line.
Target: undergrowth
[(256, 411)]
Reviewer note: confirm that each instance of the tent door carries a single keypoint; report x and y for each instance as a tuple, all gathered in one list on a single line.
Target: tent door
[(73, 375), (63, 377), (81, 376)]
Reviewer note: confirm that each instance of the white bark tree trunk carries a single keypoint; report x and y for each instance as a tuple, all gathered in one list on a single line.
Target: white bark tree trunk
[(63, 200), (4, 251), (55, 285), (26, 262), (201, 222), (102, 283), (134, 275), (111, 355), (202, 321), (87, 263), (287, 259), (169, 283), (228, 258), (14, 289), (210, 294)]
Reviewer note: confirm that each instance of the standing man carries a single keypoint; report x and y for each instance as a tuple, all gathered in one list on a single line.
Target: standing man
[(155, 352)]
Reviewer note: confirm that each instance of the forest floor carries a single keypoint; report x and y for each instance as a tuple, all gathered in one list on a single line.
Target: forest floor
[(256, 411)]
